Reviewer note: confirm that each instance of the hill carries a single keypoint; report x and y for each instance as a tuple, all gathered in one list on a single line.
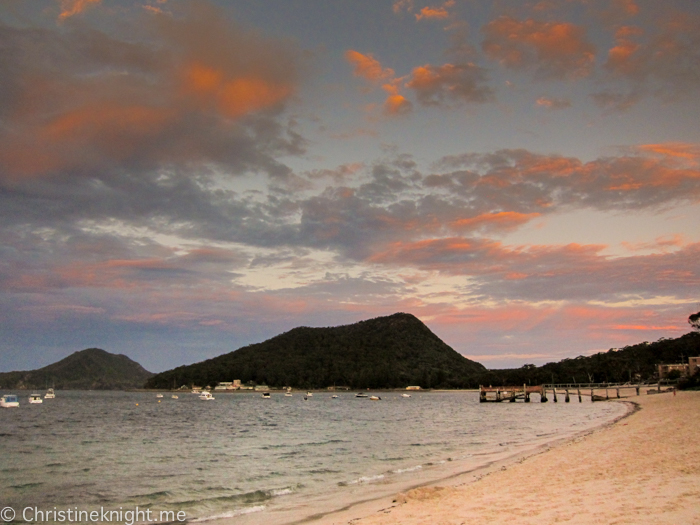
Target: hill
[(88, 369), (616, 365), (386, 352)]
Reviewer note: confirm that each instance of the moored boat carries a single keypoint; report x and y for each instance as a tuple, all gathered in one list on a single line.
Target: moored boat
[(375, 398), (9, 401), (206, 396), (35, 399), (266, 395), (50, 394), (360, 394)]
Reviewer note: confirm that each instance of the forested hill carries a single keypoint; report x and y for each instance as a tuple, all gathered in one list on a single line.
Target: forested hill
[(386, 352), (617, 365), (92, 368)]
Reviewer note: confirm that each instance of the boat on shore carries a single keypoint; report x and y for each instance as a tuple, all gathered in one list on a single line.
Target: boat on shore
[(9, 401)]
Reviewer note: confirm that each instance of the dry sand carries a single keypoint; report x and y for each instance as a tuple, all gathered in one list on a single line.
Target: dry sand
[(643, 469)]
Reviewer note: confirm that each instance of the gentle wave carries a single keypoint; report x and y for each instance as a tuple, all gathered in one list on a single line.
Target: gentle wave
[(232, 514)]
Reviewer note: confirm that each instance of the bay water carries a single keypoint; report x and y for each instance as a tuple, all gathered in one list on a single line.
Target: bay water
[(247, 460)]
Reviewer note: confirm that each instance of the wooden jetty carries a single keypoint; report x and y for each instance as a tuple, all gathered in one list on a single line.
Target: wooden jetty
[(596, 391)]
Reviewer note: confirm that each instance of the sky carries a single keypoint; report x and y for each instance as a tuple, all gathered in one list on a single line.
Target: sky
[(179, 179)]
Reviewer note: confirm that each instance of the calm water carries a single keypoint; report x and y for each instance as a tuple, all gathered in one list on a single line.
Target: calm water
[(259, 460)]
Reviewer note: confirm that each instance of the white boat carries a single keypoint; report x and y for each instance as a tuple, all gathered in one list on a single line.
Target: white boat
[(309, 394), (206, 396), (266, 395), (334, 396), (50, 394), (375, 398), (35, 399), (287, 394), (159, 395), (9, 401), (174, 396), (405, 395), (360, 394)]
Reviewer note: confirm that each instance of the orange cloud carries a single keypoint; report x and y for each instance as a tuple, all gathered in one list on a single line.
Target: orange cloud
[(367, 67), (74, 7), (680, 150), (178, 99), (400, 5), (460, 82), (554, 49), (501, 220), (233, 97), (553, 103), (435, 13), (395, 104)]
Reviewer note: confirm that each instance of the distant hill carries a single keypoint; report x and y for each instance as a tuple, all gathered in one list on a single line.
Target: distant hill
[(88, 369), (386, 352), (615, 365)]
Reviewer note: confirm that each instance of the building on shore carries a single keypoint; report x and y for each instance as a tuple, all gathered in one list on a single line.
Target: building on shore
[(685, 369)]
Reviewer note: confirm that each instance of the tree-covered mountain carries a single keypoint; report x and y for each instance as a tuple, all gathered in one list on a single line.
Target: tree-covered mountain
[(92, 368), (630, 363), (386, 352)]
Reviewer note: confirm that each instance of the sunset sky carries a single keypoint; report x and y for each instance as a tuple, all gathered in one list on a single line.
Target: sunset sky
[(179, 179)]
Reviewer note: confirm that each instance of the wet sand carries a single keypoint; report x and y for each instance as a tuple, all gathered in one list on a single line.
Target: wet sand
[(644, 468)]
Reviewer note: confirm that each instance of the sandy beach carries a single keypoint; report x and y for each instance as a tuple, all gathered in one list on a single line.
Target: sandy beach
[(644, 468)]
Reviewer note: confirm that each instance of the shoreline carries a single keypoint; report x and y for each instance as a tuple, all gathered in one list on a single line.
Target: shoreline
[(358, 511), (642, 467)]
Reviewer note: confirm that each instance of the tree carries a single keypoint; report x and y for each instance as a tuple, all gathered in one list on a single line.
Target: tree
[(694, 321)]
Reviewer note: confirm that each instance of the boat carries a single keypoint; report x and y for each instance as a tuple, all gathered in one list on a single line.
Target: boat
[(405, 395), (174, 396), (9, 401), (50, 394), (309, 394), (159, 395), (375, 398), (360, 394), (206, 396), (35, 399), (334, 396), (266, 395), (287, 394)]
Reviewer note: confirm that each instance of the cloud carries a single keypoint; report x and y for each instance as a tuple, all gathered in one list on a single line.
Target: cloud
[(435, 85), (435, 13), (196, 90), (551, 49), (613, 102), (396, 103), (401, 5), (669, 56), (74, 7), (553, 103), (367, 67)]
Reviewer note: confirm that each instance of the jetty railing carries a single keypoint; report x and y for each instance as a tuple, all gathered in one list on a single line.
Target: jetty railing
[(596, 391)]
